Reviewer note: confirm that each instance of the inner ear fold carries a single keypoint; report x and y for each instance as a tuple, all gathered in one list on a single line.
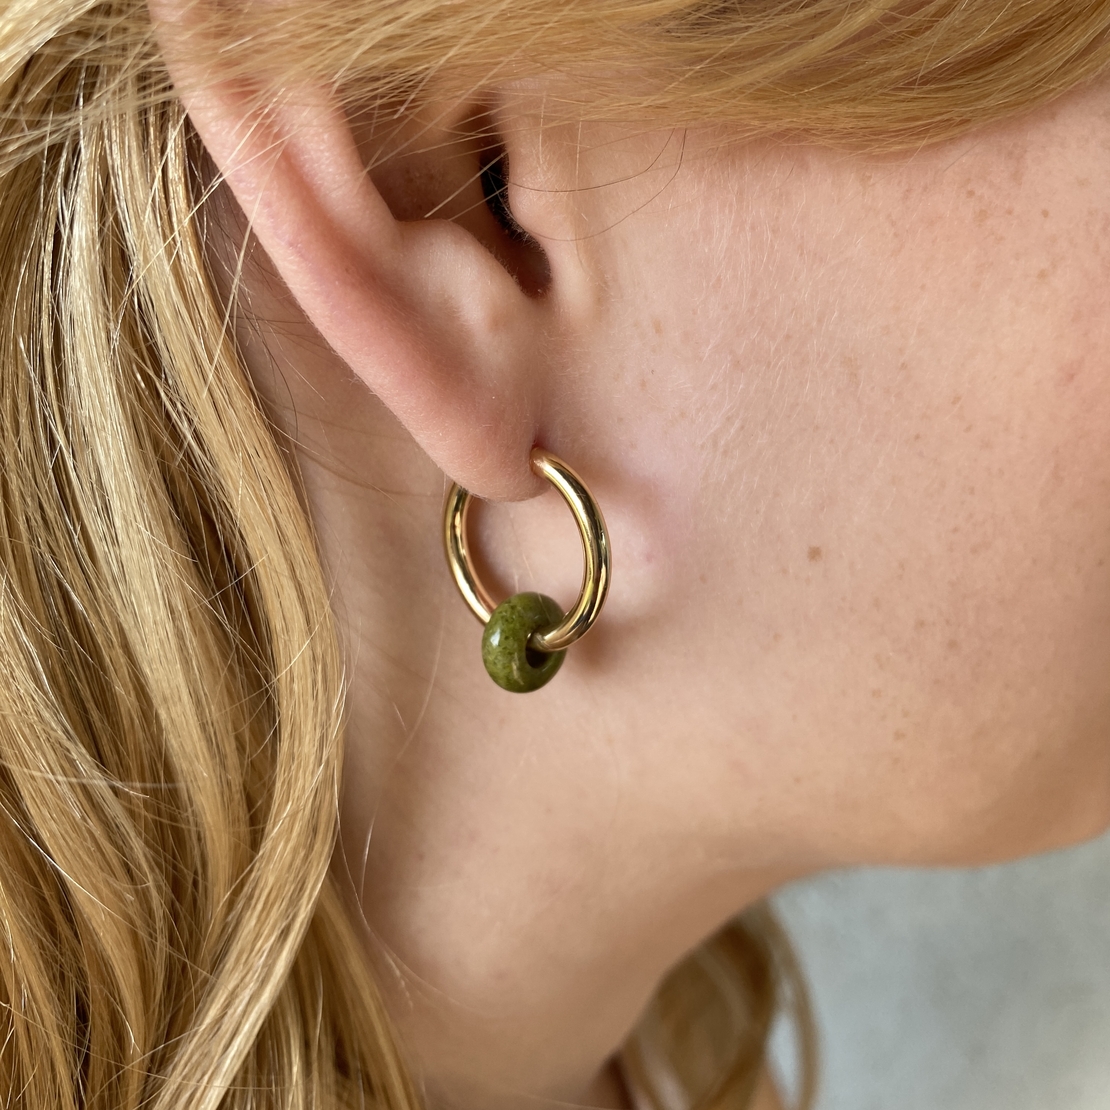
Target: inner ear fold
[(451, 163)]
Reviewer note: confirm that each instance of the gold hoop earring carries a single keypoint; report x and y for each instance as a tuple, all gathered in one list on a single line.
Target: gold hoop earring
[(526, 636)]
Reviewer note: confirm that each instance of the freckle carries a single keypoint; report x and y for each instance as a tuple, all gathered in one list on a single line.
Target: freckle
[(1042, 275), (1044, 212), (982, 215), (876, 694), (957, 399), (777, 636), (702, 579), (953, 645), (657, 324), (919, 624), (971, 192), (815, 554), (899, 734)]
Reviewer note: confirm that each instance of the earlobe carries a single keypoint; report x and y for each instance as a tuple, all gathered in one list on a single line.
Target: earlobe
[(423, 312)]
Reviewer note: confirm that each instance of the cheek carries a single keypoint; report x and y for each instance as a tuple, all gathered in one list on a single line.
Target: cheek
[(928, 561), (897, 556), (980, 621)]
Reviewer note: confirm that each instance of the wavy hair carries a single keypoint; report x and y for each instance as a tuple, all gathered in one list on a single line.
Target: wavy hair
[(170, 682)]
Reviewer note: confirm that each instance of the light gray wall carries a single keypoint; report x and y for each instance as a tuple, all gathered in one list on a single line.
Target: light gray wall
[(960, 990)]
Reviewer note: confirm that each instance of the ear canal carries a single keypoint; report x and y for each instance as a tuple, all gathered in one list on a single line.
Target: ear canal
[(517, 251)]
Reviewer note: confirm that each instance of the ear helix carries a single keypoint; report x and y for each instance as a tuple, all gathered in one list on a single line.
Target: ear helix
[(526, 636)]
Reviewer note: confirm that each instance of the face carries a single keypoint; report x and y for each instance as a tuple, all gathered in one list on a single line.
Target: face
[(845, 416), (849, 419)]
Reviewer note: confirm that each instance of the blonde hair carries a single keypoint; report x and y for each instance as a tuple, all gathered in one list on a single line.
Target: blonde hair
[(170, 682)]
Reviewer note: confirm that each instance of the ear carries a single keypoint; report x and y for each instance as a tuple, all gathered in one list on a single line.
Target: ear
[(439, 321)]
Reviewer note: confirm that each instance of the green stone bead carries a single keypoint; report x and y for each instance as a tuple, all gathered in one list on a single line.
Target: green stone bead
[(511, 663)]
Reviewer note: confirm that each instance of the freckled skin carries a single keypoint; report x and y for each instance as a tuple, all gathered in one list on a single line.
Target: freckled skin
[(751, 352), (915, 367)]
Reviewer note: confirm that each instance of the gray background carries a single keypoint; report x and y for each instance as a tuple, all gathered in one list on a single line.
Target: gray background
[(985, 989)]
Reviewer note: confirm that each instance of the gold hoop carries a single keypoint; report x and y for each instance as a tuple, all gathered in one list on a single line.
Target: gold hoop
[(595, 547)]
